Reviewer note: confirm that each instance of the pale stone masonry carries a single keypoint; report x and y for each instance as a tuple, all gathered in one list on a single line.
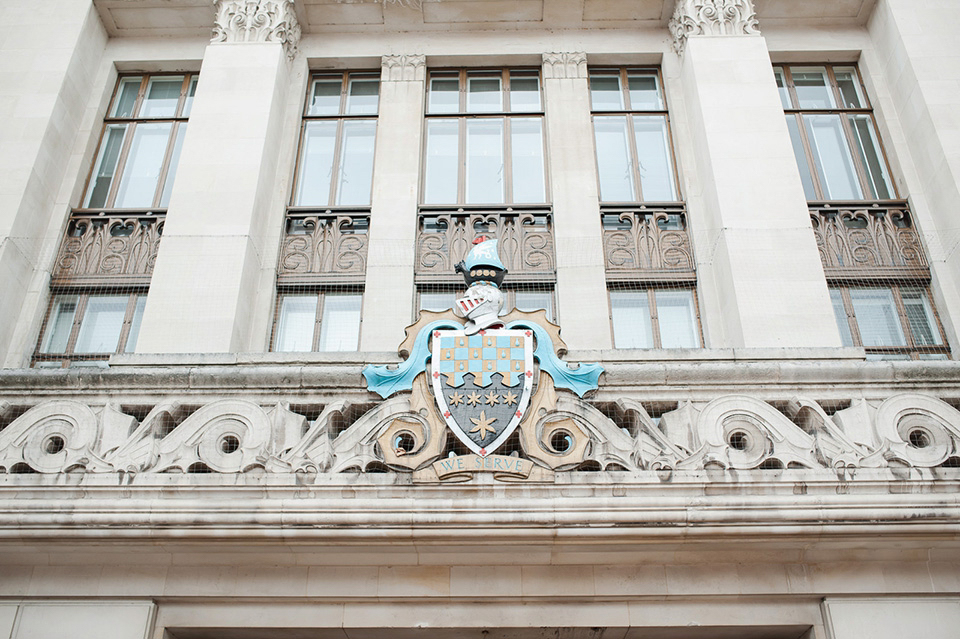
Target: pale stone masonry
[(192, 482)]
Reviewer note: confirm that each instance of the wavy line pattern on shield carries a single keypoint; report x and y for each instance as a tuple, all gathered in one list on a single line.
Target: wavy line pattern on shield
[(483, 383), (580, 380)]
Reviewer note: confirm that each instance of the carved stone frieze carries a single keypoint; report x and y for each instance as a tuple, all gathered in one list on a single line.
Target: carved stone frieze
[(257, 21), (732, 433), (565, 65), (403, 68), (711, 17)]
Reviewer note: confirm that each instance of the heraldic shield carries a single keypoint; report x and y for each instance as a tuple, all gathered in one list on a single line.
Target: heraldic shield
[(482, 383)]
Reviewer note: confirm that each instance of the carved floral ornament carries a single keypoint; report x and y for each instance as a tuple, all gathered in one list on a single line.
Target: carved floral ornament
[(257, 21), (711, 17)]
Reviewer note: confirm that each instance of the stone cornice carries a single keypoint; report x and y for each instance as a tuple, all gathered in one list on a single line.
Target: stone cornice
[(565, 65), (711, 17), (403, 68), (257, 21)]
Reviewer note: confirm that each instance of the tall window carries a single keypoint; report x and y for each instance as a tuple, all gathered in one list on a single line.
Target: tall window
[(140, 145), (484, 138), (103, 268), (484, 174), (631, 129), (337, 140), (872, 257), (833, 133), (650, 271), (324, 248)]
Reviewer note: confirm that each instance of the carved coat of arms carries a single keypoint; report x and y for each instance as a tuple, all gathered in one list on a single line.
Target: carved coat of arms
[(482, 376)]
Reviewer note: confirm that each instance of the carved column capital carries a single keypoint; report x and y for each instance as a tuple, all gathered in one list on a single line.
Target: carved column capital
[(403, 68), (712, 17), (564, 65), (257, 21)]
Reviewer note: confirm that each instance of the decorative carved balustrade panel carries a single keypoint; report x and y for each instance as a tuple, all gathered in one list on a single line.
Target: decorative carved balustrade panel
[(109, 248), (647, 244), (870, 241), (324, 247), (526, 244)]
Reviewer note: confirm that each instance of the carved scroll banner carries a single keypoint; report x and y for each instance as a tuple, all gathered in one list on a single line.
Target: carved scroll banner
[(501, 466)]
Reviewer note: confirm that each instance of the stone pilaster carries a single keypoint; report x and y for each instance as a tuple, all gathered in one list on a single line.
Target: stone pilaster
[(583, 307), (759, 270), (52, 53), (389, 289), (206, 282)]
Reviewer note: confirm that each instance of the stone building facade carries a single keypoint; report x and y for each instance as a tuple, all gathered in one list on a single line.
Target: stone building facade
[(730, 230)]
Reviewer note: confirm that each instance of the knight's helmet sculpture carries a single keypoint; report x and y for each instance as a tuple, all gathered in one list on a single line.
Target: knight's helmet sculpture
[(483, 272)]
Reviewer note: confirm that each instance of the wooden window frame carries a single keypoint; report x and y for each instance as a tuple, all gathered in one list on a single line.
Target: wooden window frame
[(340, 118), (320, 292), (68, 356), (910, 348), (863, 176), (131, 123), (462, 115), (651, 292), (628, 112)]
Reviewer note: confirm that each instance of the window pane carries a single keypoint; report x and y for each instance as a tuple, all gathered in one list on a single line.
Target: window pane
[(440, 179), (849, 85), (678, 320), (526, 140), (808, 189), (106, 165), (363, 95), (484, 95), (605, 93), (444, 95), (613, 159), (535, 300), (142, 168), (813, 90), (298, 314), (101, 324), (868, 147), (316, 163), (437, 301), (59, 324), (174, 161), (134, 333), (163, 94), (644, 92), (188, 101), (484, 170), (876, 316), (836, 298), (923, 325), (356, 162), (832, 157), (126, 98), (340, 326), (656, 169), (782, 88), (325, 97), (631, 319), (524, 93)]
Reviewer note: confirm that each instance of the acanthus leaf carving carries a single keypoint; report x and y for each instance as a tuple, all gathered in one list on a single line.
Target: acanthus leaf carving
[(257, 21), (565, 65), (711, 17)]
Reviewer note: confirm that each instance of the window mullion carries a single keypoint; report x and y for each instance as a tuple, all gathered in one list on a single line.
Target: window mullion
[(851, 317), (77, 322), (127, 322), (654, 318), (808, 152), (128, 135), (507, 169), (461, 159), (337, 160), (317, 320), (902, 317)]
